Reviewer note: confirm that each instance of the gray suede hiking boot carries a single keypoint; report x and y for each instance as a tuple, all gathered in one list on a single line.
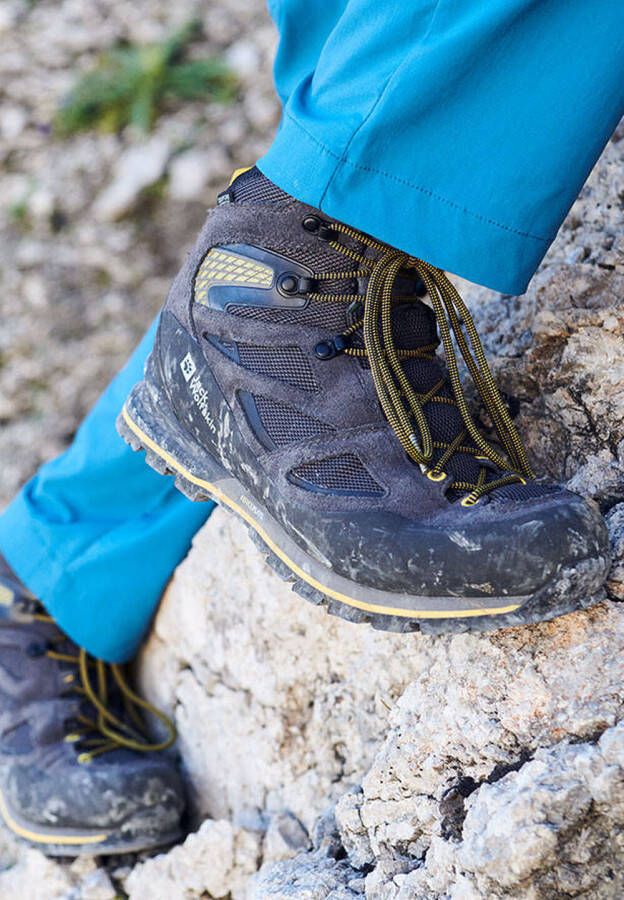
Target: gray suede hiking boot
[(295, 380), (78, 774)]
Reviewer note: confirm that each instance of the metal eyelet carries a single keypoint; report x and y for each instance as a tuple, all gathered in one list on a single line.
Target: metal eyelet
[(288, 284), (440, 476), (311, 224), (72, 738), (332, 347), (318, 227), (324, 350), (83, 759)]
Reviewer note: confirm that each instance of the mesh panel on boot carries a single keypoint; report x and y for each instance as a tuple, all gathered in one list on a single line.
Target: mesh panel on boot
[(342, 474), (284, 364), (424, 374), (284, 425), (319, 315)]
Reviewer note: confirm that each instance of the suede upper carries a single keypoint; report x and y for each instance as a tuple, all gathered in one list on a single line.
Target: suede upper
[(306, 433)]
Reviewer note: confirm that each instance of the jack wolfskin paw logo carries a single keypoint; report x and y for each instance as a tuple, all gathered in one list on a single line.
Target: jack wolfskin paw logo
[(188, 367)]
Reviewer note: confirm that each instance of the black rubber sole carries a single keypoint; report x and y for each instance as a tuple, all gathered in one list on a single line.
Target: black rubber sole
[(145, 424), (129, 837)]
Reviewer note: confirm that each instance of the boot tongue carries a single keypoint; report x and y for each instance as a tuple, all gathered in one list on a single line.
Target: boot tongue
[(414, 326), (251, 186)]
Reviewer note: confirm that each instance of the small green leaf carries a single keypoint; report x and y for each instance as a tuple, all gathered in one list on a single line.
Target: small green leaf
[(129, 85)]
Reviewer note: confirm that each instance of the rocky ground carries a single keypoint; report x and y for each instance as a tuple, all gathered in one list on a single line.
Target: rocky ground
[(93, 228), (324, 760)]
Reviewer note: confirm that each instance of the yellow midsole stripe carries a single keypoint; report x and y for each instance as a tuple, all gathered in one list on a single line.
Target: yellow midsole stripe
[(343, 598), (38, 838)]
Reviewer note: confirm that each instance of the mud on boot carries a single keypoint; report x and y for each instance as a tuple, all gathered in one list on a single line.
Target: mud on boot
[(295, 379), (78, 773)]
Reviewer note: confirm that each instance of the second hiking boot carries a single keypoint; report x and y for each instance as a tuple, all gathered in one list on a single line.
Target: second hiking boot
[(295, 380), (79, 773)]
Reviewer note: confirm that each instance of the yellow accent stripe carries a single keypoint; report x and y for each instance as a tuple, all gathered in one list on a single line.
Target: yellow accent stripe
[(343, 598), (36, 837), (238, 172)]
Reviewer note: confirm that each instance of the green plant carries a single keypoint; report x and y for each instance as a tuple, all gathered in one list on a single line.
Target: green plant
[(18, 211), (130, 84)]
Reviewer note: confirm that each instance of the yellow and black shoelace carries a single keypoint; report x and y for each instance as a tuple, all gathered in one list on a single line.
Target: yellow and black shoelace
[(403, 406), (93, 680)]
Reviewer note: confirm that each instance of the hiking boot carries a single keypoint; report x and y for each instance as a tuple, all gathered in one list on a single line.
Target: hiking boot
[(78, 774), (295, 380)]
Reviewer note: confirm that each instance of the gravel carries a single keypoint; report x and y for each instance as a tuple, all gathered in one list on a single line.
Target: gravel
[(94, 227)]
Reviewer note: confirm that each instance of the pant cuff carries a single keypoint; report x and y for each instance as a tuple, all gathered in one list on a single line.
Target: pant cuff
[(29, 553), (412, 218)]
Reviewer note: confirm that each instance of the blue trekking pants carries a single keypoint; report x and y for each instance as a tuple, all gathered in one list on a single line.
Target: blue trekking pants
[(459, 131)]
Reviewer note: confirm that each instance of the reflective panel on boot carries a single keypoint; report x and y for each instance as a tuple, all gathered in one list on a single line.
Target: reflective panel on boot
[(310, 399), (78, 771)]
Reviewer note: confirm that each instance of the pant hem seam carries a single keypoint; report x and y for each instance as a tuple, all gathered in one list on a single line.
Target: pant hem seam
[(404, 181)]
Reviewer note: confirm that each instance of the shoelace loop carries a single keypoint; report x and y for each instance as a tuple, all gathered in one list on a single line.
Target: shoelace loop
[(404, 407)]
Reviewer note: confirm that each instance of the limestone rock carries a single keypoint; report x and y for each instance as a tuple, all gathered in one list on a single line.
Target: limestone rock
[(26, 873), (217, 862), (564, 805), (313, 876), (46, 879), (278, 706), (284, 837), (615, 520)]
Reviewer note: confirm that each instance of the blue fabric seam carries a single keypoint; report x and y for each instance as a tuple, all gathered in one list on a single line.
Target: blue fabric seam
[(410, 184)]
